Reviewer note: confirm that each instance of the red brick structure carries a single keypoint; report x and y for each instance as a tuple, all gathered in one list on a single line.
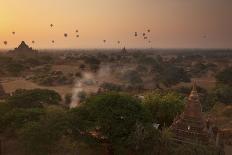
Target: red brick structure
[(190, 126), (23, 48)]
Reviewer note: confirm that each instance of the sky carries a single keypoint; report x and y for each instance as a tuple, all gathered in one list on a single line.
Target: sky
[(173, 23)]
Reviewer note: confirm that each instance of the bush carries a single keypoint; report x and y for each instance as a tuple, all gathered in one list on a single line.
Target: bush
[(33, 98), (164, 106), (224, 93), (225, 76)]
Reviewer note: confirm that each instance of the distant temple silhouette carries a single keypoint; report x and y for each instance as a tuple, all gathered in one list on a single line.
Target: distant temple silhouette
[(124, 51), (190, 126), (23, 48)]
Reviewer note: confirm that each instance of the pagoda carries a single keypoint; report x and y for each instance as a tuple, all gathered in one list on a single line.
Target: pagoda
[(23, 48), (190, 126)]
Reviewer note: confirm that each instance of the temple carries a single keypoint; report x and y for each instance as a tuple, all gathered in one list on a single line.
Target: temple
[(124, 50), (23, 48), (190, 126)]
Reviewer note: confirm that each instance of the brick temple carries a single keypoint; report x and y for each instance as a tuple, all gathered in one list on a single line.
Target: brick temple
[(23, 48), (190, 126)]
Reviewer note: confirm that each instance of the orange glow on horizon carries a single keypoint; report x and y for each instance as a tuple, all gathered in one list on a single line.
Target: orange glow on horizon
[(173, 23)]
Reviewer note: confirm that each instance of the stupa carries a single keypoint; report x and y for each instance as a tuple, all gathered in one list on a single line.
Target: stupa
[(190, 126), (23, 48), (124, 50)]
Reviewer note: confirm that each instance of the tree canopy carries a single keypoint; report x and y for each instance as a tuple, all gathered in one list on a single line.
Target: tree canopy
[(22, 98), (164, 106)]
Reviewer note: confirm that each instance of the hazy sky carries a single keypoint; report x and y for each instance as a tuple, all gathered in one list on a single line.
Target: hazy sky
[(173, 23)]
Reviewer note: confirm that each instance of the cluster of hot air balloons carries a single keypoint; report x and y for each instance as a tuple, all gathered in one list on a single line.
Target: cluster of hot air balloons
[(144, 35), (136, 34), (77, 35)]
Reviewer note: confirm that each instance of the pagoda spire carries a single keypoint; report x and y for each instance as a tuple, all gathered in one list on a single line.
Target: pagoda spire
[(194, 86), (189, 127)]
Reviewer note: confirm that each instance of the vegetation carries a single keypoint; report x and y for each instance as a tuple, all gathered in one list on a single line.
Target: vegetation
[(164, 107), (113, 122), (225, 76), (33, 98)]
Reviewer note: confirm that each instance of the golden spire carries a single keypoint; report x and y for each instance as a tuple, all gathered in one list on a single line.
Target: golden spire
[(194, 93), (194, 86)]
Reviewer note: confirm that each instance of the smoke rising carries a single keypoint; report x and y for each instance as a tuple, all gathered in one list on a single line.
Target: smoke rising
[(89, 83)]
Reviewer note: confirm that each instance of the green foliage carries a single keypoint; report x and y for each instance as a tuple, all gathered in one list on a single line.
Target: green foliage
[(33, 98), (225, 76), (132, 77), (111, 87), (223, 93), (164, 106), (15, 119), (171, 75), (144, 140), (41, 137), (15, 68), (112, 116)]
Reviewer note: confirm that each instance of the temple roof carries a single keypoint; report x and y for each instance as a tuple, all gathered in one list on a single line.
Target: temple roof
[(190, 125), (193, 107), (23, 45), (23, 48)]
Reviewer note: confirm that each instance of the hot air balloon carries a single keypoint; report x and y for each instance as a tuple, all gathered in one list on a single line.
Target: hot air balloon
[(145, 38), (77, 31), (144, 34), (32, 41), (65, 34), (148, 30), (136, 34), (51, 25), (119, 42), (53, 41), (104, 41), (13, 33), (77, 36), (5, 42)]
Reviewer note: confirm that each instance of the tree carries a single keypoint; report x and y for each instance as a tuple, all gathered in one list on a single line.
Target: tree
[(225, 76), (111, 119), (171, 75), (111, 87), (15, 68), (42, 137), (33, 98), (164, 106), (223, 93), (15, 119)]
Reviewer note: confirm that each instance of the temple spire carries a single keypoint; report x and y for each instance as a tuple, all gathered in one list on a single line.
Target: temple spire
[(194, 86), (189, 127)]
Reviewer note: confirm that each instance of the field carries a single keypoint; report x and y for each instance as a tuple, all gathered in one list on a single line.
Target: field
[(76, 75)]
